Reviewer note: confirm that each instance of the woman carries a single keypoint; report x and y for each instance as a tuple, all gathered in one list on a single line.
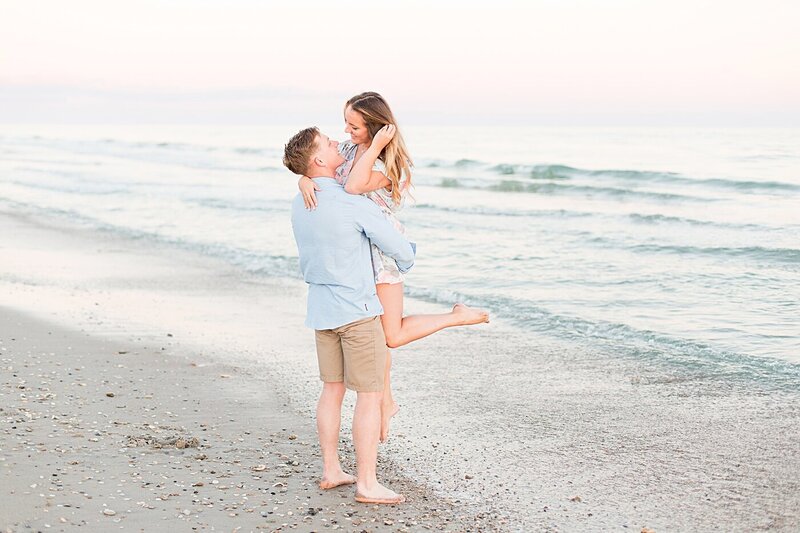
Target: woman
[(377, 165)]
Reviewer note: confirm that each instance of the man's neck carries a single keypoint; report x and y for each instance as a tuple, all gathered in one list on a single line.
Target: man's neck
[(323, 174)]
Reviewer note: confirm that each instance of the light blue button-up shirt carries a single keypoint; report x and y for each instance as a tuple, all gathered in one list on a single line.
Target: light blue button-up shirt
[(334, 246)]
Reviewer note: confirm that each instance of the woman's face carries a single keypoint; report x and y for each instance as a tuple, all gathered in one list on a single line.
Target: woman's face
[(354, 125)]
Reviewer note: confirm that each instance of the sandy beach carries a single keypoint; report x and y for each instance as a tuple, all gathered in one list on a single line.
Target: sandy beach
[(149, 388), (107, 434), (124, 428)]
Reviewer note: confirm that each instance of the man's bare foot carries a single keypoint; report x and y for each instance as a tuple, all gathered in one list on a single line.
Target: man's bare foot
[(469, 315), (336, 480), (387, 412), (378, 494)]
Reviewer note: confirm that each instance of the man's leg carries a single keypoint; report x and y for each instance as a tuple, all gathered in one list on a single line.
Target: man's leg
[(329, 408), (364, 351), (329, 415), (366, 430)]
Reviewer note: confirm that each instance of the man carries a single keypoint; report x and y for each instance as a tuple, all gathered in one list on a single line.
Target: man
[(333, 242)]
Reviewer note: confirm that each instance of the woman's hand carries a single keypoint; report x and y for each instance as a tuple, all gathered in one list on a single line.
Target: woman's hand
[(384, 136), (307, 188)]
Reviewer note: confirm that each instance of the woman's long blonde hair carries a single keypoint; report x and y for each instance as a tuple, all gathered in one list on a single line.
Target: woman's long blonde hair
[(376, 114)]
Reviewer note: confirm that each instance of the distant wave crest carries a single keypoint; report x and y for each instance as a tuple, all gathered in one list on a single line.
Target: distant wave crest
[(551, 172)]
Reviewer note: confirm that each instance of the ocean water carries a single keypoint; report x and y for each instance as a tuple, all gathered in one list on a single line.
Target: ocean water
[(677, 247)]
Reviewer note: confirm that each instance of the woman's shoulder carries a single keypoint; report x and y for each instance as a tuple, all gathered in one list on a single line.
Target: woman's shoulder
[(387, 199)]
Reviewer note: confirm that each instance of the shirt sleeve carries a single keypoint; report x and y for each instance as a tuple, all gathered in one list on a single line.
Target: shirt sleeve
[(371, 220)]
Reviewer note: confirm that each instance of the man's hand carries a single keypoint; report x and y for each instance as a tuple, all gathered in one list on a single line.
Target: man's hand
[(307, 188), (384, 136)]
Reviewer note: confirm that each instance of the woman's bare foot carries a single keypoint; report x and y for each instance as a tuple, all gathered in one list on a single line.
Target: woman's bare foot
[(387, 412), (336, 480), (378, 494), (469, 316)]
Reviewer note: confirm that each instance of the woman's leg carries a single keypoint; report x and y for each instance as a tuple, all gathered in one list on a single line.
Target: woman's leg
[(389, 407), (400, 331)]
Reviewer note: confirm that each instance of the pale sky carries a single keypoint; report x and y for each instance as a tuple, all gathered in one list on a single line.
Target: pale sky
[(567, 62)]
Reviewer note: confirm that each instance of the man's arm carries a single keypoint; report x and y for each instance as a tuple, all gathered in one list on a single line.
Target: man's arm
[(371, 220)]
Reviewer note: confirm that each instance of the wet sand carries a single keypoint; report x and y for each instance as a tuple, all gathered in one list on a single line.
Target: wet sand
[(105, 434), (577, 441)]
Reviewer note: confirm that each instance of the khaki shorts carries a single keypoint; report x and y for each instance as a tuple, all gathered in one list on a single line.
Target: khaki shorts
[(354, 353)]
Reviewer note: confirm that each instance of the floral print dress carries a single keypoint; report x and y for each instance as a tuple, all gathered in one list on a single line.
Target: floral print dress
[(385, 267)]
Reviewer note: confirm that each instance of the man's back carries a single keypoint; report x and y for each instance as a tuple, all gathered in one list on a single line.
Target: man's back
[(335, 258)]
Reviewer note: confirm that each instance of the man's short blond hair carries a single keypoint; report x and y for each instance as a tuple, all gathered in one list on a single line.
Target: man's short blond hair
[(298, 151)]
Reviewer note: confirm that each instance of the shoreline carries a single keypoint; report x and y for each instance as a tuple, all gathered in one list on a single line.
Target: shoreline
[(579, 441)]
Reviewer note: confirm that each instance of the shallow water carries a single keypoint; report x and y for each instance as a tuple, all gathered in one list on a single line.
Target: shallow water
[(676, 245)]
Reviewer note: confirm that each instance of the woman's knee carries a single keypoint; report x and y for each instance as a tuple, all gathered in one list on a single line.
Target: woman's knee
[(393, 339), (393, 343)]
